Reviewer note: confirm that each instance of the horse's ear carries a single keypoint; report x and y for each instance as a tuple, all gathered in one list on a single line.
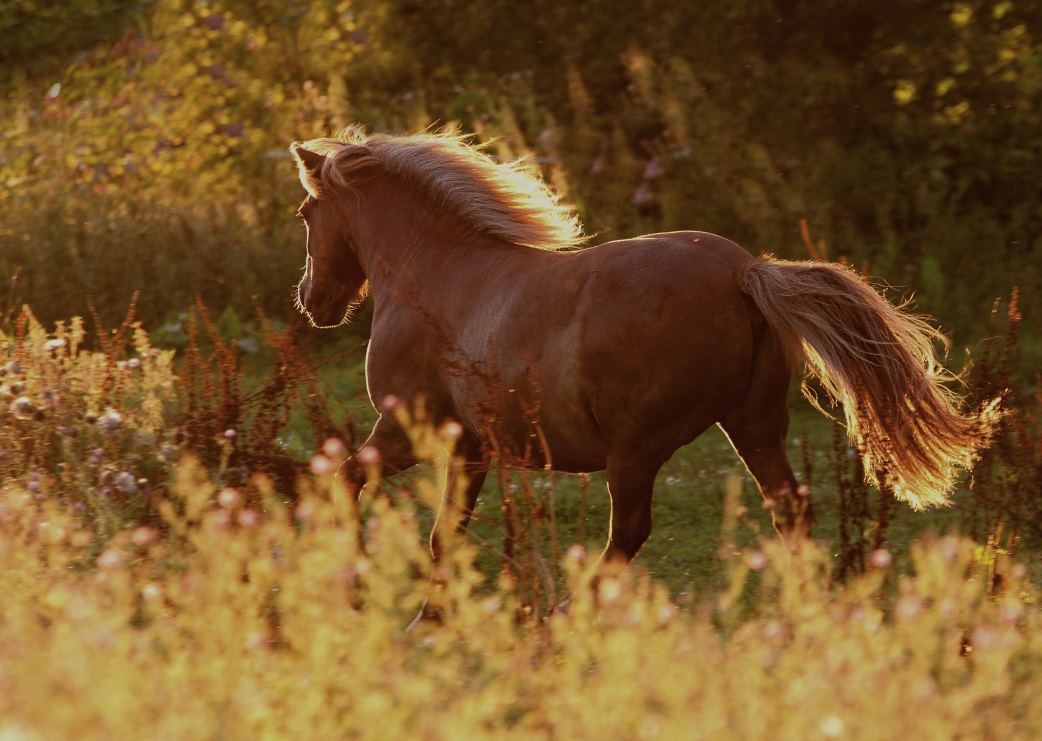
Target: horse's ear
[(310, 166)]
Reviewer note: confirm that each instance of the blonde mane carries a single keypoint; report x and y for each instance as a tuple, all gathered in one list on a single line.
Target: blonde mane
[(500, 200)]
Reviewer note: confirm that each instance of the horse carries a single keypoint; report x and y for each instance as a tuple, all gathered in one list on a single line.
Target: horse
[(545, 353)]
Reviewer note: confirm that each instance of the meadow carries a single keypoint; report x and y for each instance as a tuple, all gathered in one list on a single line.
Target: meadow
[(178, 559), (166, 580)]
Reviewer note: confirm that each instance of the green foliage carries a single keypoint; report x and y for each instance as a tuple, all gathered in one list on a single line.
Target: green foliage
[(37, 33), (907, 135)]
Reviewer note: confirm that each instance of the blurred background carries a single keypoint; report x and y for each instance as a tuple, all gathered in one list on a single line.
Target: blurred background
[(144, 142)]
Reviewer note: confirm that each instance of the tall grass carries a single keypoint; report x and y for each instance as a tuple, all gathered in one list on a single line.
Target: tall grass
[(148, 598), (275, 622)]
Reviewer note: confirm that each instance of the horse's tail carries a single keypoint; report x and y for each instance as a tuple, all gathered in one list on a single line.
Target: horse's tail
[(878, 361)]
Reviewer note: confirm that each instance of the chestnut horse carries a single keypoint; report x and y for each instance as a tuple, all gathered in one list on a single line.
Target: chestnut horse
[(610, 357)]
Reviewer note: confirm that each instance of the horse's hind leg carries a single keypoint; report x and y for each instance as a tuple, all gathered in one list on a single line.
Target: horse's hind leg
[(757, 428), (630, 485)]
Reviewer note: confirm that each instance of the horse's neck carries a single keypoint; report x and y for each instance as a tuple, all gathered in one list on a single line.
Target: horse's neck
[(406, 239)]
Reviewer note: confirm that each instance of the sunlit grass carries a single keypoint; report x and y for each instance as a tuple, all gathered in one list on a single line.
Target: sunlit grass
[(276, 624), (168, 605)]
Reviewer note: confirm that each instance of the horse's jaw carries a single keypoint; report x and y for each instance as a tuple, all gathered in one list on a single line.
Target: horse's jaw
[(326, 312)]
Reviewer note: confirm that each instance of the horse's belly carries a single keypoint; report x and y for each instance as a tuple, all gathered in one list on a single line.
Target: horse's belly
[(527, 434)]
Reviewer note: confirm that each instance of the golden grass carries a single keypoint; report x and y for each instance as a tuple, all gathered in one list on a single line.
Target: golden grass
[(232, 615), (232, 625)]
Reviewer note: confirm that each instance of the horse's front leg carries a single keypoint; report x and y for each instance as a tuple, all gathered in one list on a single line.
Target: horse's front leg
[(466, 477), (387, 447)]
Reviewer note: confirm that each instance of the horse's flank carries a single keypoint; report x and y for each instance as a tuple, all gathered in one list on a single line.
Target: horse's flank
[(503, 201)]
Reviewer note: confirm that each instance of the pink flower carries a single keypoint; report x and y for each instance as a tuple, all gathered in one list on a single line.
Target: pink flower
[(653, 169), (641, 195), (880, 559)]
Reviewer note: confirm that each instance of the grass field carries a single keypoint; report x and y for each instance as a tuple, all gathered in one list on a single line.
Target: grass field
[(155, 590)]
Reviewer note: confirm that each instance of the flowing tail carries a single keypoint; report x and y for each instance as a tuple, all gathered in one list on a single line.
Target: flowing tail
[(878, 361)]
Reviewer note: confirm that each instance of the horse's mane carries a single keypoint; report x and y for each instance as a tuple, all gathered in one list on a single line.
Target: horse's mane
[(501, 200)]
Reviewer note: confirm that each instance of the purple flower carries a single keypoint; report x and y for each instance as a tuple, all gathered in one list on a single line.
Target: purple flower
[(110, 423), (641, 195), (653, 169), (125, 482)]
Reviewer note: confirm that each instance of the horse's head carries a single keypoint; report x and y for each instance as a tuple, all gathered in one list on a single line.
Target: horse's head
[(334, 282)]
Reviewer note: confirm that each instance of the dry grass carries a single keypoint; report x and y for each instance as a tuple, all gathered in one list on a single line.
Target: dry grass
[(225, 611), (245, 624)]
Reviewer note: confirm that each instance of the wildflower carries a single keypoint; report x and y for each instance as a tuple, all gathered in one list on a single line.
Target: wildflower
[(142, 536), (230, 434), (368, 455), (134, 363), (110, 423), (984, 637), (248, 518), (756, 560), (97, 456), (55, 344), (452, 430), (609, 590), (322, 466), (653, 169), (14, 368), (909, 607), (49, 396), (576, 553), (228, 497), (880, 559), (125, 482), (110, 559), (22, 407), (641, 195), (334, 448), (305, 511)]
